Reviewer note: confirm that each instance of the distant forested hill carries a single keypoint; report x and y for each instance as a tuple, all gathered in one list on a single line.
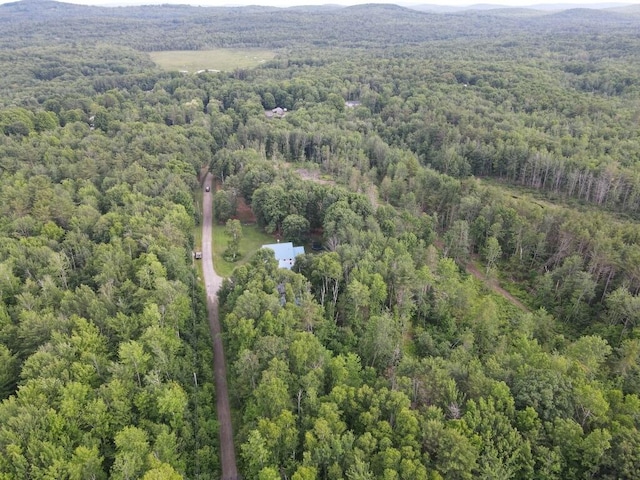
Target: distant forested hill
[(182, 27)]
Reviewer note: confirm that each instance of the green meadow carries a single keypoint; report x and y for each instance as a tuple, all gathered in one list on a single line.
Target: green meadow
[(222, 59)]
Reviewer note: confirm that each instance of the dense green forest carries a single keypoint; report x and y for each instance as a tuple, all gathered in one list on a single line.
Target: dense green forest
[(436, 157)]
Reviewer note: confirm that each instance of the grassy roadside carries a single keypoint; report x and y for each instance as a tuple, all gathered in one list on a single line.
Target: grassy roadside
[(197, 232)]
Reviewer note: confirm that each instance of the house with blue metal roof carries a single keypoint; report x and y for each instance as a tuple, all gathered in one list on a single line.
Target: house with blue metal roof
[(285, 253)]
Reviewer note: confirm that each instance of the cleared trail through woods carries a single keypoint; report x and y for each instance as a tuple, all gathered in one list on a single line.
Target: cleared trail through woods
[(213, 282), (493, 285), (471, 269)]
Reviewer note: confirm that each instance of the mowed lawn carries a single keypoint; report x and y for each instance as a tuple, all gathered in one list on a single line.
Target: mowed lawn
[(252, 239), (222, 59)]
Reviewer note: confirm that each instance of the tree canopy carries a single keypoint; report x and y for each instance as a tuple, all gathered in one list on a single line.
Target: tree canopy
[(471, 178)]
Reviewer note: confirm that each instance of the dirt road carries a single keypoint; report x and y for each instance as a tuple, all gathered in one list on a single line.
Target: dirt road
[(213, 282)]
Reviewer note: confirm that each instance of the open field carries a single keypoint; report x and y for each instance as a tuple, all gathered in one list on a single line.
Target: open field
[(252, 239), (222, 59)]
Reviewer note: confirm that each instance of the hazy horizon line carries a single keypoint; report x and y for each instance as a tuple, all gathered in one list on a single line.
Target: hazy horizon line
[(345, 3)]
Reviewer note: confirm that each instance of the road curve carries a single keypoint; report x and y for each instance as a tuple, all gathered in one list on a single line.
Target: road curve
[(212, 283)]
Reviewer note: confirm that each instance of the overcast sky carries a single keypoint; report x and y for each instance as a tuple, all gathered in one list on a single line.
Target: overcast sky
[(289, 3)]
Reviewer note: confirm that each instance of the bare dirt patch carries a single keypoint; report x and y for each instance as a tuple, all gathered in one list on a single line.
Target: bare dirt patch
[(371, 191), (313, 176), (244, 212)]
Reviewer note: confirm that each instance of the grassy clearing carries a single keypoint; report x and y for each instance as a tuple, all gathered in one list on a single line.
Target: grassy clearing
[(252, 239), (222, 59), (546, 199)]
